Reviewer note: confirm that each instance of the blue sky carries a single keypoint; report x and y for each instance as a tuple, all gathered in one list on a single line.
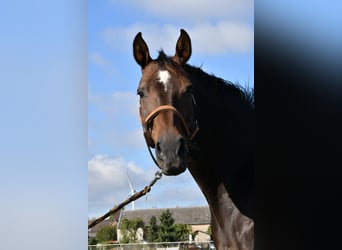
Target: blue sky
[(222, 36), (43, 128), (44, 80)]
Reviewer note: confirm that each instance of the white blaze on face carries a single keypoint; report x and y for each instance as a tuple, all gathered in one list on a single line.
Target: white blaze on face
[(164, 77)]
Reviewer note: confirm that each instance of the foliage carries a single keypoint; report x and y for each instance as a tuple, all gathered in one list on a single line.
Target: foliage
[(152, 232), (106, 233), (129, 229), (92, 241), (182, 232), (166, 232), (209, 231)]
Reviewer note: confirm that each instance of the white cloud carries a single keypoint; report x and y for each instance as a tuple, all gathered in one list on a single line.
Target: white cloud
[(108, 181), (181, 190), (222, 37), (194, 10), (98, 59), (116, 103), (215, 26), (106, 65), (128, 100), (113, 120), (108, 185), (157, 36), (130, 139), (207, 38)]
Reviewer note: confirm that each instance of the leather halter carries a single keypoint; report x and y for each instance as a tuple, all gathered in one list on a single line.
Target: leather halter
[(190, 132)]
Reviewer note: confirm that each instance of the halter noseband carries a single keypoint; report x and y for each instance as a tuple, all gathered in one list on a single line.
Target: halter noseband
[(165, 108), (190, 133)]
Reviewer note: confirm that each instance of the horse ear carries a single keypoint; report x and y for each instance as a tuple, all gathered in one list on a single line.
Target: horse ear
[(140, 51), (183, 47)]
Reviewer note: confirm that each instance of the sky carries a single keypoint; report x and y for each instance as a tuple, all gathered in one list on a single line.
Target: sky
[(53, 54), (43, 124), (222, 35)]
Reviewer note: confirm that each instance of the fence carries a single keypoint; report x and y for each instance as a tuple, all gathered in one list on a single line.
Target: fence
[(155, 246)]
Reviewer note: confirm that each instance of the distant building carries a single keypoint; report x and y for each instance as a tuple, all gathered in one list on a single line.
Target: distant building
[(111, 221), (198, 218)]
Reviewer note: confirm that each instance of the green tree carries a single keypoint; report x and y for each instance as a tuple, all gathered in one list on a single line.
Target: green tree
[(210, 232), (106, 234), (166, 232), (152, 231), (129, 229), (92, 241), (182, 232)]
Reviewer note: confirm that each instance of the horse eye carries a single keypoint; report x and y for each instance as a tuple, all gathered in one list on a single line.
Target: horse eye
[(140, 93)]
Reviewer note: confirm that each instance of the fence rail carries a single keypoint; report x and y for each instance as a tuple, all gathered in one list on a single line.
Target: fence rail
[(184, 245)]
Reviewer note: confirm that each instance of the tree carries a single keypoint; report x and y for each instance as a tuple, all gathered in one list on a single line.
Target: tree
[(106, 233), (209, 231), (129, 229), (92, 241), (166, 232), (182, 232), (152, 232)]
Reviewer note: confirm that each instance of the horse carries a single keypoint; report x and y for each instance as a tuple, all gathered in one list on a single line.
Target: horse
[(197, 121)]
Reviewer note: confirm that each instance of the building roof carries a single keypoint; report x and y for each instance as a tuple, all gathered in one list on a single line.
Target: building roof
[(181, 215), (111, 221)]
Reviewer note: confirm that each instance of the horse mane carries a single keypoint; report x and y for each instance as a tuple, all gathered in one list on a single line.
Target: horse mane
[(215, 87), (221, 91)]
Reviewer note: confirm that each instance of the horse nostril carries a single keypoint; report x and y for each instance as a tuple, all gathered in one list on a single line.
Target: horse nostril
[(171, 148), (182, 149), (159, 151)]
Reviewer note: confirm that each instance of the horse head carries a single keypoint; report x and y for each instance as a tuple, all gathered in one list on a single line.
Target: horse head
[(166, 103)]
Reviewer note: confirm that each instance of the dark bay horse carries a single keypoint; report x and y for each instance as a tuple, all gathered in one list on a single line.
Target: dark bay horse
[(198, 121)]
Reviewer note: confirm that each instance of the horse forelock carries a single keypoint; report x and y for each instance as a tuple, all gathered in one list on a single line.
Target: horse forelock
[(163, 59)]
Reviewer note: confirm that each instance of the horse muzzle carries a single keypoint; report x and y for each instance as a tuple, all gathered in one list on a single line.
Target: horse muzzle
[(171, 148), (171, 154)]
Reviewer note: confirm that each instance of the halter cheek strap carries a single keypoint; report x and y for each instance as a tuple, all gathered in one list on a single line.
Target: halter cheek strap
[(164, 108), (190, 134)]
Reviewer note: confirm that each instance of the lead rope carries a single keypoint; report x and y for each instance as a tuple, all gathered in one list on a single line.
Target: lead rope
[(135, 196)]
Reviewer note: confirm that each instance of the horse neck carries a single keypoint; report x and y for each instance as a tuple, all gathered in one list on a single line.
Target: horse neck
[(224, 151), (222, 113)]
